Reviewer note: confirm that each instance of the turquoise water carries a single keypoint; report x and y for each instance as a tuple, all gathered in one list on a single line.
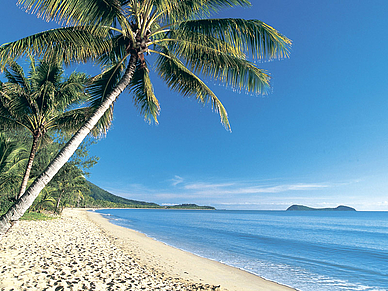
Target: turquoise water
[(309, 251)]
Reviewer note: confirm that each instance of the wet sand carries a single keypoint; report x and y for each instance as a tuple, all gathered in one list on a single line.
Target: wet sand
[(82, 251)]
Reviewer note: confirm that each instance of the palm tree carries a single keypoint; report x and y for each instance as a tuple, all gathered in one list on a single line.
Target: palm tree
[(120, 34), (40, 103), (70, 190), (44, 201)]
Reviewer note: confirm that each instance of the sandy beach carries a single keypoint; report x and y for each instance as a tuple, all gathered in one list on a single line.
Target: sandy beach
[(82, 251)]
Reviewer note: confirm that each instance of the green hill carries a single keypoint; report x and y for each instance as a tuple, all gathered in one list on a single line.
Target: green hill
[(103, 198), (306, 208)]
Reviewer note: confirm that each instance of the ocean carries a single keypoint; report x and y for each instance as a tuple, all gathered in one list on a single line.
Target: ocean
[(306, 250)]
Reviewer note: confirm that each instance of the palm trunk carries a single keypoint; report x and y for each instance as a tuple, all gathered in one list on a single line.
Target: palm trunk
[(24, 202), (59, 201), (26, 176)]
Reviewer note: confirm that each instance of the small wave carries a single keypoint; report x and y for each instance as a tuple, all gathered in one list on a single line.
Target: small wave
[(272, 251)]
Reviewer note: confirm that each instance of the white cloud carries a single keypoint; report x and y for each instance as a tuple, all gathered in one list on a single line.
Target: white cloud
[(176, 180), (201, 186), (245, 188), (287, 187), (251, 193)]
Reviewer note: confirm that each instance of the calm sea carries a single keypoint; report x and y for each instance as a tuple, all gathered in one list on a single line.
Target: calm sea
[(309, 251)]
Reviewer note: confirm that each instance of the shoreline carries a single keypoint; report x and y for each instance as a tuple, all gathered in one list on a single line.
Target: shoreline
[(184, 264), (82, 250)]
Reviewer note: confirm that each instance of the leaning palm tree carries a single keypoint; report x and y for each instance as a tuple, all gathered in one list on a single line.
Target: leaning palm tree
[(40, 103), (185, 47)]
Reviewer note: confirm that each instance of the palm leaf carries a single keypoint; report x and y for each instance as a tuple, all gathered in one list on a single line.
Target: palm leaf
[(15, 106), (69, 44), (175, 11), (15, 75), (11, 154), (101, 86), (220, 61), (103, 13), (13, 157), (143, 92), (190, 43), (116, 54), (70, 121), (74, 12), (254, 36), (71, 92), (235, 72), (182, 80)]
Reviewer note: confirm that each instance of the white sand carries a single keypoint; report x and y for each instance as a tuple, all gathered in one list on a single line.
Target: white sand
[(83, 251)]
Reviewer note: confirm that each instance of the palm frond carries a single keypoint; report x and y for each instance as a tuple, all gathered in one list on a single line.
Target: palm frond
[(16, 103), (254, 36), (47, 71), (104, 83), (13, 158), (182, 80), (175, 11), (10, 123), (68, 44), (116, 54), (75, 12), (70, 121), (144, 97), (71, 92), (99, 89), (15, 75), (192, 43), (232, 71), (11, 153)]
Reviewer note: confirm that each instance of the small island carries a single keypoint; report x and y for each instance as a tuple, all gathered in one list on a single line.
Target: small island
[(306, 208), (190, 206)]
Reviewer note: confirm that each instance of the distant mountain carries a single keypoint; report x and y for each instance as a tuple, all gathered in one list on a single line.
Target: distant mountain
[(103, 198), (306, 208)]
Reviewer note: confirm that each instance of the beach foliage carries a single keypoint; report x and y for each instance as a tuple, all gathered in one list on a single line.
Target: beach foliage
[(42, 103), (37, 216), (102, 198), (68, 187), (128, 38), (13, 159)]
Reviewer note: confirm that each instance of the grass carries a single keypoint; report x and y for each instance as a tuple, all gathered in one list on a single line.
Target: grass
[(37, 216)]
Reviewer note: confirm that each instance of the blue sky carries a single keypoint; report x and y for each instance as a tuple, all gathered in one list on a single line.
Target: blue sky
[(320, 138)]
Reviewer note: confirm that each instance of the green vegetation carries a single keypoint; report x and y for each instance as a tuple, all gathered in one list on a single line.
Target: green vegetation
[(187, 46), (38, 113), (190, 206), (41, 103), (25, 113), (101, 198), (37, 216), (13, 157), (68, 188), (306, 208)]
